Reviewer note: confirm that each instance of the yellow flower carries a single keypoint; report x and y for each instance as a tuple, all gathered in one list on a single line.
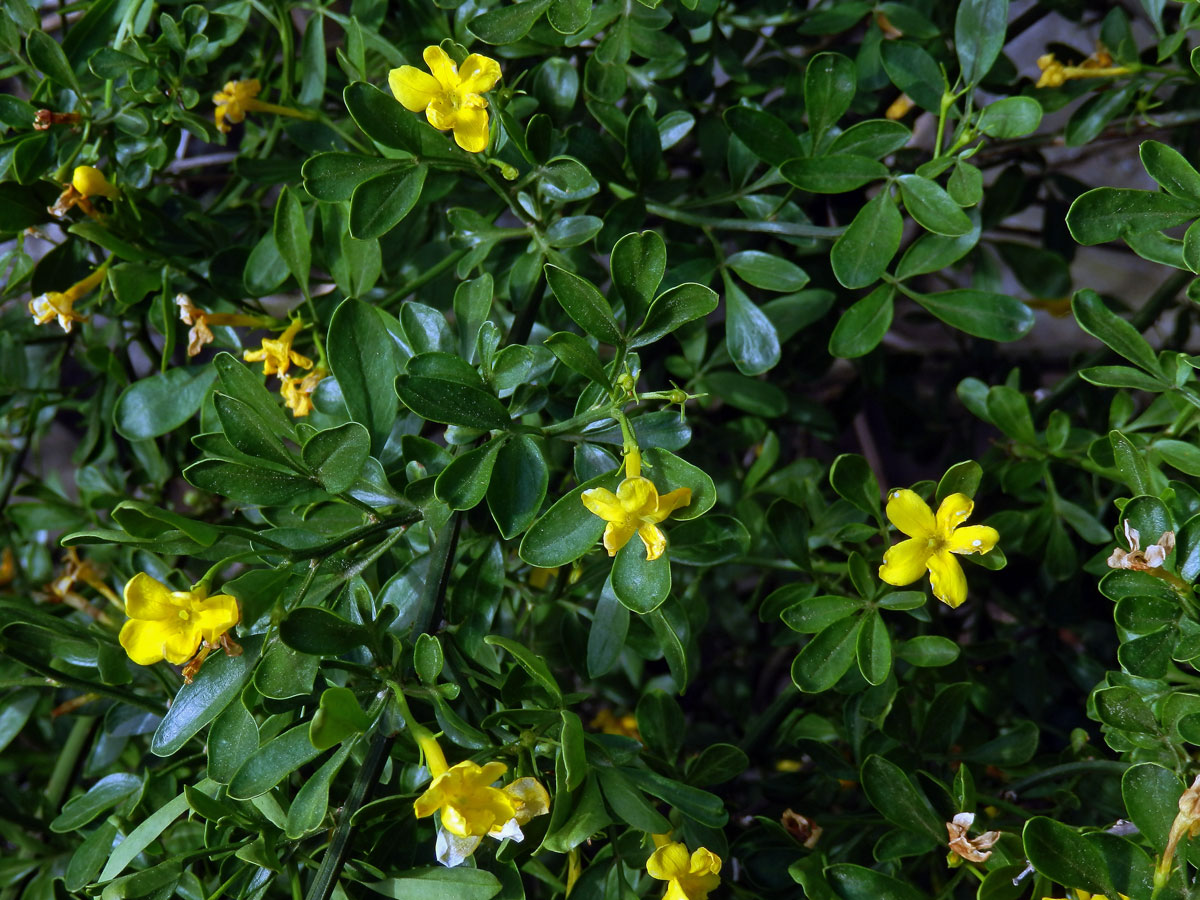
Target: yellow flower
[(688, 878), (170, 625), (608, 723), (201, 320), (1084, 895), (470, 807), (1055, 74), (86, 182), (240, 97), (899, 108), (46, 307), (277, 354), (636, 508), (931, 542), (450, 99), (297, 392)]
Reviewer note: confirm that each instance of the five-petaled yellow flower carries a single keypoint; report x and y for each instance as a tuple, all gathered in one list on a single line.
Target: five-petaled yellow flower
[(688, 877), (61, 304), (932, 541), (636, 508), (277, 354), (240, 97), (451, 99), (167, 624), (470, 807)]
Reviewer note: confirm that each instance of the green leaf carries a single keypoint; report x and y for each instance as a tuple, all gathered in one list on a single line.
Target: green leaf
[(708, 541), (48, 57), (915, 72), (852, 478), (832, 174), (1123, 708), (929, 651), (382, 118), (508, 24), (147, 832), (987, 315), (1010, 117), (900, 801), (874, 649), (609, 628), (857, 883), (428, 658), (830, 81), (271, 763), (292, 238), (1106, 213), (161, 403), (311, 802), (863, 325), (1102, 323), (219, 681), (1171, 170), (767, 137), (463, 483), (338, 716), (643, 145), (960, 478), (249, 432), (380, 203), (587, 817), (571, 749), (231, 740), (530, 662), (109, 791), (1151, 794), (867, 246), (660, 723), (979, 29), (751, 339), (766, 271), (826, 658), (238, 380), (1132, 465), (248, 485), (284, 673), (809, 615), (874, 138), (640, 584), (518, 486), (934, 209), (673, 309), (586, 306), (337, 455), (933, 252), (311, 629), (364, 363), (637, 264), (701, 806), (1061, 854), (451, 402), (574, 352), (567, 530), (629, 804)]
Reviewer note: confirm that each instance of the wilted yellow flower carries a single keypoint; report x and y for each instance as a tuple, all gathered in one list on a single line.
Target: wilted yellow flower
[(688, 877), (471, 807), (636, 508), (62, 588), (932, 541), (170, 625), (297, 391), (972, 849), (277, 354), (451, 100), (86, 182), (61, 304), (1098, 65), (1138, 559), (201, 320), (240, 97)]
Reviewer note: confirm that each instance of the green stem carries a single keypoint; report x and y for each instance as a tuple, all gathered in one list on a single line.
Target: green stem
[(1090, 766), (424, 278), (328, 549), (783, 229), (68, 761), (441, 561)]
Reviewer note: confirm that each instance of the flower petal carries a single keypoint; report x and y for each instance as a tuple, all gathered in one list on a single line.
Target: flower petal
[(603, 503), (947, 579), (904, 562), (705, 862), (143, 640), (509, 831), (954, 510), (216, 615), (530, 798), (471, 129), (972, 539), (148, 598), (413, 88), (668, 862), (453, 850), (671, 501), (433, 798), (617, 535), (909, 513), (441, 114), (182, 642), (478, 74), (638, 495), (654, 539), (442, 67)]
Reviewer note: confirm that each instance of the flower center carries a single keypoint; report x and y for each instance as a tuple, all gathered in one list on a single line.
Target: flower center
[(185, 615)]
